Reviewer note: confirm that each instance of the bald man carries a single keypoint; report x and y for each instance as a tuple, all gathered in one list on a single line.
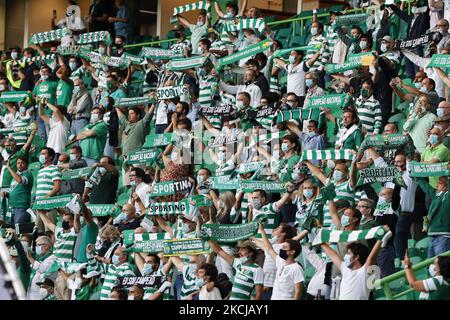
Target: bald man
[(126, 220)]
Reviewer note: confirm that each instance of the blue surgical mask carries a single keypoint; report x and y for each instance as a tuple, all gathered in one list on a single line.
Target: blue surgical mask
[(200, 179), (38, 250), (423, 89), (363, 44), (337, 175), (382, 200), (133, 183), (308, 83), (76, 89), (23, 109), (432, 270), (311, 133), (418, 85), (199, 282), (308, 193), (115, 260), (284, 147), (291, 59), (185, 228), (256, 204), (122, 216), (295, 175), (221, 155), (434, 139), (42, 159), (72, 65), (244, 259), (73, 157), (347, 260), (440, 112), (274, 239), (345, 221), (147, 269)]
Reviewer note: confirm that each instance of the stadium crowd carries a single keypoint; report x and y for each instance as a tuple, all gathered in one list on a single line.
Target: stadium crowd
[(234, 164)]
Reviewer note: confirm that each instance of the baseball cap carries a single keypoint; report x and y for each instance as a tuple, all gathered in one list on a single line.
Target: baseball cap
[(247, 244), (47, 282)]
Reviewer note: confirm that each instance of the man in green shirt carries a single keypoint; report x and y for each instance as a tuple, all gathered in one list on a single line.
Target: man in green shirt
[(93, 137), (65, 86), (20, 194), (349, 135), (435, 152), (89, 232)]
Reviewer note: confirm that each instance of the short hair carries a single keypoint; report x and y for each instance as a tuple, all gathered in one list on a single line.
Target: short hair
[(444, 266), (360, 250), (139, 173), (45, 239), (24, 159), (296, 246), (123, 295), (288, 230), (314, 122), (77, 149), (370, 204), (185, 106), (121, 37), (369, 82), (292, 94), (433, 83), (50, 151), (314, 75), (154, 255), (46, 67), (320, 24), (207, 170), (185, 122), (245, 94), (28, 50), (136, 110), (292, 139), (262, 60), (261, 192), (357, 28), (253, 62), (99, 109), (348, 110), (205, 42), (111, 161), (210, 270), (356, 213)]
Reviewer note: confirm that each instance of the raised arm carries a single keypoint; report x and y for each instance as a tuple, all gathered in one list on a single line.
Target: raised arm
[(266, 243), (218, 9), (443, 76), (243, 8), (333, 213), (332, 254), (316, 172), (218, 249), (47, 222), (56, 111), (42, 114)]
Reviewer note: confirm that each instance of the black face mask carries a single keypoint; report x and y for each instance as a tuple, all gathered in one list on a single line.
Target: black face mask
[(119, 45), (177, 34), (105, 246), (283, 254), (65, 225)]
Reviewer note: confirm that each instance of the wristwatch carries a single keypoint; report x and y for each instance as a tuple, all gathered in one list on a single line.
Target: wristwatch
[(408, 266)]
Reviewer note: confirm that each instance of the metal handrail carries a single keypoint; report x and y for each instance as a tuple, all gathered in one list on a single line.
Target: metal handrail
[(384, 282)]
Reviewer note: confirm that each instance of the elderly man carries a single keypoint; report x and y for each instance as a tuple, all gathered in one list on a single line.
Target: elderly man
[(79, 107), (436, 151), (249, 86), (419, 120), (127, 219)]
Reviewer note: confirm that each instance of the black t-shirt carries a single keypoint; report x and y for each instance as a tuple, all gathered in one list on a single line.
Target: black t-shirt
[(105, 191), (262, 83), (97, 10)]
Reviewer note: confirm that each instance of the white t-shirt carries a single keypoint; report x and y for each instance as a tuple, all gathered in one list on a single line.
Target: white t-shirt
[(57, 135), (161, 112), (286, 278), (214, 294), (142, 189), (353, 284), (269, 266), (296, 78)]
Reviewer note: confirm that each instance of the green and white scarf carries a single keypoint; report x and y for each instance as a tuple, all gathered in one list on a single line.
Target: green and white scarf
[(170, 208), (93, 37), (158, 140), (386, 141), (250, 166), (201, 5), (102, 210), (48, 57), (256, 24), (282, 52), (336, 236), (73, 50), (440, 60), (14, 96), (171, 92), (352, 19), (421, 169), (77, 173), (186, 63), (381, 174), (354, 61), (52, 202), (49, 36), (225, 183), (171, 187), (133, 102), (247, 52), (228, 233), (146, 156), (329, 154), (288, 115), (181, 247), (268, 186), (160, 54), (328, 101)]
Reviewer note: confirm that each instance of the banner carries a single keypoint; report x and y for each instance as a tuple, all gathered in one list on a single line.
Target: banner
[(146, 282), (329, 154), (13, 96), (171, 92), (115, 62), (268, 186), (160, 54), (440, 60), (215, 110), (201, 201), (133, 102), (422, 169), (171, 187), (48, 57), (282, 52), (382, 175), (186, 63), (49, 36), (328, 101), (250, 166), (354, 61), (52, 202), (146, 156), (92, 37), (336, 236), (247, 52), (201, 5), (149, 242), (228, 233), (351, 19), (128, 58), (103, 210), (179, 247), (129, 237), (225, 183), (157, 140), (413, 43), (163, 208), (77, 173), (73, 50), (386, 141), (262, 112), (225, 138)]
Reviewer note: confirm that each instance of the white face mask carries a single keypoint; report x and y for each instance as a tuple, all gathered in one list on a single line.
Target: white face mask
[(94, 117), (384, 47), (432, 270), (44, 76), (314, 31), (43, 293), (2, 87), (363, 44), (14, 55), (200, 23)]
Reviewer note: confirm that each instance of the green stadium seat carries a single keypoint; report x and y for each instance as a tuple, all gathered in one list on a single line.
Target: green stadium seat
[(423, 244), (409, 296), (415, 260), (122, 199), (378, 294), (397, 283), (296, 41), (411, 243), (284, 33)]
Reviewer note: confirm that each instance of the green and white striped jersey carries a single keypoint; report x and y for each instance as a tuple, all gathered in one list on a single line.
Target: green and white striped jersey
[(272, 222), (394, 56), (369, 112), (45, 180), (244, 280), (21, 137), (149, 291), (189, 278), (112, 273), (64, 244), (331, 37), (436, 289), (343, 191), (324, 57)]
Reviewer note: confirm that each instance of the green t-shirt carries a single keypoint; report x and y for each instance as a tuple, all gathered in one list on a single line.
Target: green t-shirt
[(20, 195), (88, 235), (6, 176), (46, 89), (436, 288), (439, 152), (64, 92), (93, 147)]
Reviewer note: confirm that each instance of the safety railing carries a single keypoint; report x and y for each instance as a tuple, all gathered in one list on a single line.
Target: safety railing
[(302, 21), (385, 282)]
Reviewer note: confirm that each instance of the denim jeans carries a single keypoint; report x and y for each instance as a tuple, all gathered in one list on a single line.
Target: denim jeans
[(267, 294), (438, 245), (77, 125), (20, 215), (42, 128), (177, 286), (386, 259)]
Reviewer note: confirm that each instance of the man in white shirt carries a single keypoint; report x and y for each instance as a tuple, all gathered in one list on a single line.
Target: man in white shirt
[(355, 268), (139, 189), (59, 126), (289, 275), (249, 86)]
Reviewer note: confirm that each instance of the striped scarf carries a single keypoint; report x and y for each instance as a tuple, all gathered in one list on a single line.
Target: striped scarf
[(330, 154), (257, 24), (49, 36), (201, 5), (335, 236), (288, 115), (47, 57), (98, 36)]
